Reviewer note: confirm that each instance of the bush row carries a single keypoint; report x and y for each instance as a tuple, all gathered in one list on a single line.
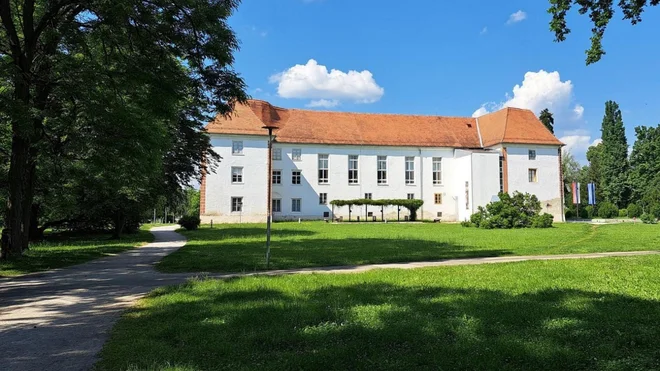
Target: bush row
[(607, 210)]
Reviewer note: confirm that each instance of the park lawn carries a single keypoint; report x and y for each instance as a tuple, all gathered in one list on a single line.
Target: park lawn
[(241, 247), (62, 250), (590, 314)]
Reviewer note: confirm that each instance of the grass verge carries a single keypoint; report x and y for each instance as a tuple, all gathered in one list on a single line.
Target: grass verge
[(596, 314), (241, 247)]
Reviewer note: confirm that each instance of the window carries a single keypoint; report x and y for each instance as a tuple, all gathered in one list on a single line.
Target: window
[(237, 175), (410, 170), (277, 205), (295, 205), (367, 196), (296, 154), (438, 198), (277, 154), (236, 204), (323, 169), (501, 173), (411, 196), (382, 170), (277, 176), (323, 198), (437, 170), (533, 178), (439, 214), (237, 147), (295, 176), (532, 154), (352, 169)]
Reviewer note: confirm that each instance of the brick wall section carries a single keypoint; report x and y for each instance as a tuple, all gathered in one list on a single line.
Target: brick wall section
[(202, 195), (505, 171)]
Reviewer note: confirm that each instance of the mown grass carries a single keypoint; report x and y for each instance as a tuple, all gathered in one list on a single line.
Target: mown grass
[(592, 314), (241, 247), (65, 249)]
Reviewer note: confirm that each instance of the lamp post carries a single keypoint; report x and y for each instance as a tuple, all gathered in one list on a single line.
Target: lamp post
[(269, 196)]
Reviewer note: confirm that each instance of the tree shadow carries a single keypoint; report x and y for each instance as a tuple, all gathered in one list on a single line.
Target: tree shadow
[(378, 325)]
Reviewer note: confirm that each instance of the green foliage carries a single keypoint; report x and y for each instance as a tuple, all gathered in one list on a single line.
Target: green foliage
[(607, 210), (623, 213), (644, 161), (655, 210), (648, 218), (614, 158), (190, 222), (635, 211), (466, 223), (411, 205), (542, 221), (546, 118), (591, 211), (600, 12), (593, 173), (517, 211)]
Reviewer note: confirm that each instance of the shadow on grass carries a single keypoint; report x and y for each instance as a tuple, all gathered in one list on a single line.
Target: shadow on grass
[(249, 255), (222, 233), (385, 326)]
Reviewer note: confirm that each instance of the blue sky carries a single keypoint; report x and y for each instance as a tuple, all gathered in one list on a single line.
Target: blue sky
[(447, 58)]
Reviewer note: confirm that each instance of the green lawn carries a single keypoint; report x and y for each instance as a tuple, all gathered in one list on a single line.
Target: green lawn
[(241, 247), (61, 250), (596, 314)]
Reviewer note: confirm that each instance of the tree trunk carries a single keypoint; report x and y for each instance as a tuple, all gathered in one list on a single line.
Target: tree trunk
[(36, 233), (119, 221), (18, 176)]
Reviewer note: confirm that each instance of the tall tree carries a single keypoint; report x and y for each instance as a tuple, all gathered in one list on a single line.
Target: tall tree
[(546, 118), (63, 62), (614, 158), (600, 13), (593, 173), (644, 161)]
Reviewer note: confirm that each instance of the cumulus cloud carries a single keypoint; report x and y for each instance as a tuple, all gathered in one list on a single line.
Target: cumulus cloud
[(516, 17), (314, 81), (578, 111), (578, 142), (326, 103), (538, 90), (480, 111), (596, 142)]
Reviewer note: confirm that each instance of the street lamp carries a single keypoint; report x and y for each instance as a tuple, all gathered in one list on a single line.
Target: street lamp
[(269, 202)]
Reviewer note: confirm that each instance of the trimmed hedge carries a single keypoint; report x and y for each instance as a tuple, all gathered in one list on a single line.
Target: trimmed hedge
[(608, 210), (190, 222), (411, 205)]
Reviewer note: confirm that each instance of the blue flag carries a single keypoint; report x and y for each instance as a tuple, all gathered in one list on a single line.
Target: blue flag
[(591, 188)]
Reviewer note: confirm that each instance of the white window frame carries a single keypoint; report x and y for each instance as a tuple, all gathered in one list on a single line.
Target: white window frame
[(535, 178), (277, 201), (299, 176), (237, 147), (236, 207), (353, 169), (531, 154), (279, 177), (293, 200), (410, 170), (324, 168), (410, 196), (237, 172), (381, 170), (437, 170), (277, 154), (323, 198), (296, 154), (368, 196)]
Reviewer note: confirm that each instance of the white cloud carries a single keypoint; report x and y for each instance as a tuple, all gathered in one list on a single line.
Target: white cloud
[(326, 103), (578, 111), (596, 142), (483, 31), (538, 90), (313, 81), (578, 142), (480, 111), (516, 17)]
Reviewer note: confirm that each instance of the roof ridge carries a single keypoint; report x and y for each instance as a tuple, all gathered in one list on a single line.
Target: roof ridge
[(378, 114)]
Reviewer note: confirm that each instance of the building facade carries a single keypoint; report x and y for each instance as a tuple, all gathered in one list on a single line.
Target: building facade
[(453, 164)]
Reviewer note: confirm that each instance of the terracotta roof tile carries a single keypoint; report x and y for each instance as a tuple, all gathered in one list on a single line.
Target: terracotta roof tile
[(322, 127)]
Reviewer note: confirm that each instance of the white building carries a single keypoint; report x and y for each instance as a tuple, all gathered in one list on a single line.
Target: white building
[(453, 164)]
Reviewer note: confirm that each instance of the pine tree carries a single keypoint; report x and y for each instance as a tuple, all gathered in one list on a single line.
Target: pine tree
[(546, 118), (614, 160)]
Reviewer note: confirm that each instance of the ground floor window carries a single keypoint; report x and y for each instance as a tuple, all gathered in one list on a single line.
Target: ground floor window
[(277, 205), (368, 196), (236, 204), (532, 175), (296, 205), (438, 198), (323, 198), (411, 196)]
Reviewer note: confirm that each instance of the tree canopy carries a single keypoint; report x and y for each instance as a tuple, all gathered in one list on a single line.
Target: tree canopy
[(600, 13), (546, 118), (614, 158)]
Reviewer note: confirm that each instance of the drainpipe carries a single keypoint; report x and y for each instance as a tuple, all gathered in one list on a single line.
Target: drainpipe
[(421, 181)]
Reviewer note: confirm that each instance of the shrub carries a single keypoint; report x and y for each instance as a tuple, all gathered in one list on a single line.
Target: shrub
[(647, 218), (608, 210), (634, 211), (517, 211), (589, 212), (623, 213), (655, 210), (570, 213), (190, 222), (466, 223), (542, 221)]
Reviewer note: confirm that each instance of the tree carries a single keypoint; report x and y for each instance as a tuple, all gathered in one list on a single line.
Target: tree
[(644, 161), (546, 118), (593, 174), (153, 66), (614, 158), (600, 13)]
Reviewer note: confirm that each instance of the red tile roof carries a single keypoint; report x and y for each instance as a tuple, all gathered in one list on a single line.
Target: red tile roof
[(508, 125)]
